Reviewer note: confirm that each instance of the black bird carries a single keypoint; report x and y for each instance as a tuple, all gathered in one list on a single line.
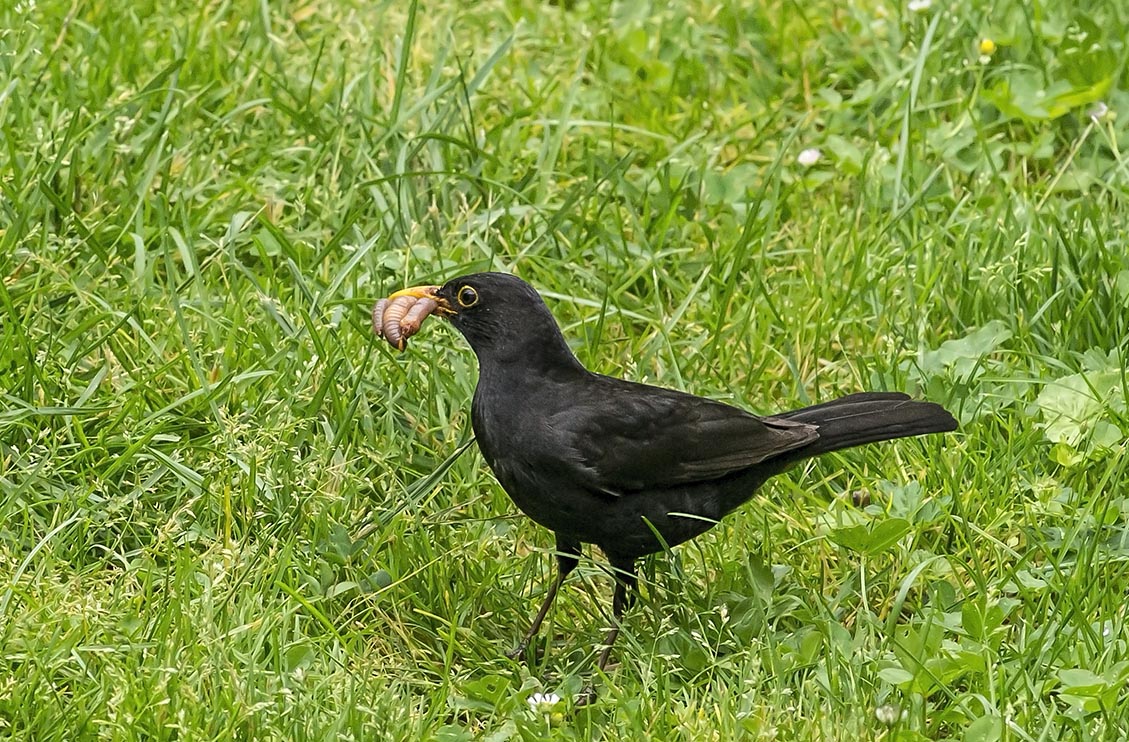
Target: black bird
[(632, 468)]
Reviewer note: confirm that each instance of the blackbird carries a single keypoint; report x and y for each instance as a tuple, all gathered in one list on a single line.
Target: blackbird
[(631, 468)]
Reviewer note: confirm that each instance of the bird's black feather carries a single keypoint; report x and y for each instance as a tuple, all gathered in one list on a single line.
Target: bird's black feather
[(630, 467)]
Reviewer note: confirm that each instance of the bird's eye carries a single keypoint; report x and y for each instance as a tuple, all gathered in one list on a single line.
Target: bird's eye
[(468, 297)]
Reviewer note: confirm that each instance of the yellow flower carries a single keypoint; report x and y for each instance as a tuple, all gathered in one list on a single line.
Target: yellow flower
[(987, 46)]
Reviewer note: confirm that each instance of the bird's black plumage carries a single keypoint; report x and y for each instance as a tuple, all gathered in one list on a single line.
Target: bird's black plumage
[(629, 467)]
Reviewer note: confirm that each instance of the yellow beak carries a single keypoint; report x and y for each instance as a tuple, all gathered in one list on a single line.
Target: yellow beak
[(419, 292), (428, 292)]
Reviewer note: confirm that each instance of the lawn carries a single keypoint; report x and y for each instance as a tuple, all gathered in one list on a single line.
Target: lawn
[(227, 511)]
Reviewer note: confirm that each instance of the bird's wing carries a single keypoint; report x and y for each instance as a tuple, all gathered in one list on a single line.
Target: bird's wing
[(628, 437)]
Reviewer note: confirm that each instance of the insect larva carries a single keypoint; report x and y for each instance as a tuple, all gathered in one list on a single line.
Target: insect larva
[(418, 312), (395, 312), (378, 317), (398, 319)]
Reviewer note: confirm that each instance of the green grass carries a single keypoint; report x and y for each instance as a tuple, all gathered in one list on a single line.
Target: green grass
[(228, 512)]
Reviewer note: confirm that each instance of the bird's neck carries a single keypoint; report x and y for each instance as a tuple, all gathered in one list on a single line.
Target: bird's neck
[(530, 364), (518, 360)]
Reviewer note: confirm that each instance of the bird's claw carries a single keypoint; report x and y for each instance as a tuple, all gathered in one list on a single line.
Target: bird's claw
[(586, 696), (517, 651)]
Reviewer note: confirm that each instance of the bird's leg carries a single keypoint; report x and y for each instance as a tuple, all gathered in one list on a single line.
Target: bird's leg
[(568, 556), (626, 584)]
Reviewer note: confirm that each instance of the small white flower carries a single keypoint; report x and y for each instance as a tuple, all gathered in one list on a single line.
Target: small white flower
[(1098, 111), (888, 714), (919, 6), (543, 701), (809, 157)]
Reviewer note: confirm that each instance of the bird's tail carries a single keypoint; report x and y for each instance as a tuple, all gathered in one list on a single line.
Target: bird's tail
[(868, 417)]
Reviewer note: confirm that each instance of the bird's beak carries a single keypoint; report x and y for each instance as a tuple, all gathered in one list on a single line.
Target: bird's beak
[(428, 292)]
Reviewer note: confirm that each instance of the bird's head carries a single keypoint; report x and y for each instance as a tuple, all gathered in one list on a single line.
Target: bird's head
[(501, 316)]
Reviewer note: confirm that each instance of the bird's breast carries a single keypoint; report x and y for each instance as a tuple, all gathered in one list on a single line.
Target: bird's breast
[(531, 465)]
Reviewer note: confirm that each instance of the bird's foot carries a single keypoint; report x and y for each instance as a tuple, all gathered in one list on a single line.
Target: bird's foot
[(586, 696), (522, 648)]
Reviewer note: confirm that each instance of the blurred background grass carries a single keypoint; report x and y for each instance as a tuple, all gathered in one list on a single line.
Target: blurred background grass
[(227, 512)]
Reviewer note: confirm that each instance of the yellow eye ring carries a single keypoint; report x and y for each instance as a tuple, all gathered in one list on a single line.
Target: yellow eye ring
[(467, 297)]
